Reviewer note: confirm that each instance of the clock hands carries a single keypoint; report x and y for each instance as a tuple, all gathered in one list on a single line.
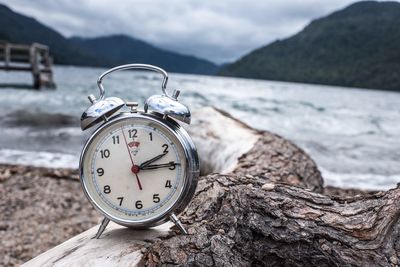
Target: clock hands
[(147, 165), (135, 169), (148, 162), (157, 166)]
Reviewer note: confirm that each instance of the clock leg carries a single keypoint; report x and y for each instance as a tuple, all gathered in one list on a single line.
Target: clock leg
[(102, 227), (178, 223)]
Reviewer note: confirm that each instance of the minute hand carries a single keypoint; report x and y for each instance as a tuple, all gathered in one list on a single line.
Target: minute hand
[(148, 162), (158, 166)]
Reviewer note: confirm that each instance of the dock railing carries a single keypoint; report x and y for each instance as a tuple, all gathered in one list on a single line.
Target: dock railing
[(34, 58)]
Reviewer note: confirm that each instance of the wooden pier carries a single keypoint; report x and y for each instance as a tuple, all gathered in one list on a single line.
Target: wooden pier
[(34, 58)]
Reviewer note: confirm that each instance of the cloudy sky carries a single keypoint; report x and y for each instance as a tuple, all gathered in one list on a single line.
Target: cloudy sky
[(218, 30)]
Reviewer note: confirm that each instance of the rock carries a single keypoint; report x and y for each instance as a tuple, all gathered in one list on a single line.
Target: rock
[(268, 186)]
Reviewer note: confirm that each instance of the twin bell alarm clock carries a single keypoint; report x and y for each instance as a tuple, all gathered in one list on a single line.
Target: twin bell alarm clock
[(139, 168)]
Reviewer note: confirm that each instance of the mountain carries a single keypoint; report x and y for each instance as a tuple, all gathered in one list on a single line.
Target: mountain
[(358, 46), (100, 52), (22, 29), (122, 49)]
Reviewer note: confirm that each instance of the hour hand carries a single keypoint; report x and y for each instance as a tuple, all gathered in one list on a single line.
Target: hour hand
[(171, 165), (148, 162)]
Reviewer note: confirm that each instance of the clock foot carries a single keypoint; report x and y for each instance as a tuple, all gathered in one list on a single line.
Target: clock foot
[(102, 227), (178, 223)]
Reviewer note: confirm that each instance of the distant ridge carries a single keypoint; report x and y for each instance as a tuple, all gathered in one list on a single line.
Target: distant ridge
[(121, 49), (358, 46), (104, 51)]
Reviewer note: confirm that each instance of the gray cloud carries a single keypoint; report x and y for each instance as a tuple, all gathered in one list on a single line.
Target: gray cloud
[(220, 31)]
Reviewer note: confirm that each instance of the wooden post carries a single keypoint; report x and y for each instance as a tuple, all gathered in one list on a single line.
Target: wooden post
[(45, 73), (48, 69), (7, 52), (37, 82)]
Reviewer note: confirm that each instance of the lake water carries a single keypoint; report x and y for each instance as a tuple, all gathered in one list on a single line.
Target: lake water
[(352, 134)]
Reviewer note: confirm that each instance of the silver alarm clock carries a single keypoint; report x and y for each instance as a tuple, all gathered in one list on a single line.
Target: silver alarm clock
[(138, 168)]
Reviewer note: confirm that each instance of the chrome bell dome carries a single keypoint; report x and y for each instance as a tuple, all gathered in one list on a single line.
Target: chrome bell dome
[(100, 110), (168, 106)]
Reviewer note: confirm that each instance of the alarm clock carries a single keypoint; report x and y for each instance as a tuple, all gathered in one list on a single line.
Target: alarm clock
[(139, 168)]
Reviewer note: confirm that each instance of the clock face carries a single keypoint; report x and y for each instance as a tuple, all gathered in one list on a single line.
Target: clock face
[(134, 169)]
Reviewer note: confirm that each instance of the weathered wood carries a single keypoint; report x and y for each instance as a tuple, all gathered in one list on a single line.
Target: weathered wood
[(220, 139), (266, 210), (117, 247), (235, 221), (276, 159), (37, 59)]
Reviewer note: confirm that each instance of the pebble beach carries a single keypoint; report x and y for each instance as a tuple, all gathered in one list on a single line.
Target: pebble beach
[(40, 208)]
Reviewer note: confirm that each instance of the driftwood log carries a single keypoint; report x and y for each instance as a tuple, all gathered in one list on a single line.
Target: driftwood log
[(265, 209), (238, 221), (227, 145)]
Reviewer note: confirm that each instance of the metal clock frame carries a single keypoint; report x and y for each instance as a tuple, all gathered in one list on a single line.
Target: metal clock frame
[(158, 109), (191, 171)]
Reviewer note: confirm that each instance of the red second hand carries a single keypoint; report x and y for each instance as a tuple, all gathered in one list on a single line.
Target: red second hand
[(134, 168), (138, 181)]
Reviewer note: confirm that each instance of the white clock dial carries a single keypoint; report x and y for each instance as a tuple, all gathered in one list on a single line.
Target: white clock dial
[(134, 169)]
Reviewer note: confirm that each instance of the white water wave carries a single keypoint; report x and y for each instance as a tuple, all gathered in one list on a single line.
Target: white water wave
[(364, 181), (39, 158)]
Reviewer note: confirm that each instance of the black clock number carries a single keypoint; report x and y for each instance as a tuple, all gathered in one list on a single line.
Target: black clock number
[(100, 171), (120, 200), (105, 153), (132, 133), (139, 204), (107, 189), (115, 139), (172, 167), (156, 198), (168, 184), (165, 146)]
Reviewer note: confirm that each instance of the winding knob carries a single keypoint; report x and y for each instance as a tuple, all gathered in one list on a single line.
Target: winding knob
[(175, 94), (92, 98)]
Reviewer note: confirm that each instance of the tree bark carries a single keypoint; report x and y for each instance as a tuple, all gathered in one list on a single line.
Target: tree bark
[(237, 221), (276, 159)]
